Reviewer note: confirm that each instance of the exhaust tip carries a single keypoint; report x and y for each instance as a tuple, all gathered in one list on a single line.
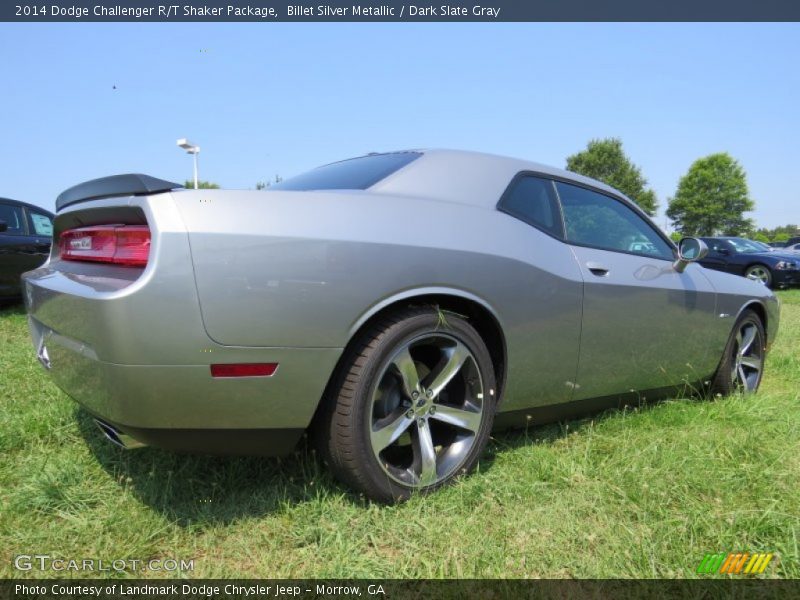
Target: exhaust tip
[(116, 437)]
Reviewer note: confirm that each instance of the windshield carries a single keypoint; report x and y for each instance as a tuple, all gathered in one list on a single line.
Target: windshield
[(743, 246), (353, 174), (763, 246)]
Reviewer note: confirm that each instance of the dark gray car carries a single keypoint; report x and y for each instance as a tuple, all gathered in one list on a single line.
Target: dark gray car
[(25, 235), (396, 306)]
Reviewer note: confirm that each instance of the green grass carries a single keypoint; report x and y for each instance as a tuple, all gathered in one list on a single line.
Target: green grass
[(639, 493)]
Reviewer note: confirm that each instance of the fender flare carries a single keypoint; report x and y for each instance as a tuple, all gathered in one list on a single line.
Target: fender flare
[(416, 292)]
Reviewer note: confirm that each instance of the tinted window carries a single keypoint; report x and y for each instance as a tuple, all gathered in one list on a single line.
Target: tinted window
[(716, 245), (596, 220), (354, 174), (41, 224), (12, 215), (764, 247), (533, 200)]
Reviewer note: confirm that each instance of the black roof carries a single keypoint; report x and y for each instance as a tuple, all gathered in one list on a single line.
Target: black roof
[(26, 204)]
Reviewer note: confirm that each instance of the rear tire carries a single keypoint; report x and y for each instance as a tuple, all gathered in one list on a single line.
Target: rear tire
[(412, 406), (742, 366)]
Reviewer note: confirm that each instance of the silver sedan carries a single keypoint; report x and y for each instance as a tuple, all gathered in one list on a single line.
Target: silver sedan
[(397, 307)]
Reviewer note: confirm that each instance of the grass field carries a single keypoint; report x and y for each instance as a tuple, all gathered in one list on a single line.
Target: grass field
[(639, 493)]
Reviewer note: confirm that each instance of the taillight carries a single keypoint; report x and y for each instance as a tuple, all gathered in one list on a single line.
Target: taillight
[(115, 244)]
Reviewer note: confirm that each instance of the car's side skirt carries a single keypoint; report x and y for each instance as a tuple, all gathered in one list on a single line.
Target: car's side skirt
[(540, 415)]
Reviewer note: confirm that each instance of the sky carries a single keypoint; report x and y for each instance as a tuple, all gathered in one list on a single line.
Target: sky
[(262, 99)]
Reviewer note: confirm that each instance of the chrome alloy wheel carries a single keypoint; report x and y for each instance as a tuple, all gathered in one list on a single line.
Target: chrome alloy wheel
[(427, 409), (748, 357), (759, 273)]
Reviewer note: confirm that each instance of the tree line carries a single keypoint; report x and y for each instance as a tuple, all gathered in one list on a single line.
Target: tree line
[(710, 200), (210, 185)]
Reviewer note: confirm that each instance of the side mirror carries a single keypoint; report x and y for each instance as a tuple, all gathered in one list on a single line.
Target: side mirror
[(689, 250), (724, 250), (3, 226)]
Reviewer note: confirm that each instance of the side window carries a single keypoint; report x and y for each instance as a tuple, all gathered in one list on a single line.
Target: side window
[(12, 215), (40, 224), (593, 219), (534, 201)]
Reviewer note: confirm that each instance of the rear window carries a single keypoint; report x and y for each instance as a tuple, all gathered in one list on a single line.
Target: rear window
[(353, 174), (534, 201)]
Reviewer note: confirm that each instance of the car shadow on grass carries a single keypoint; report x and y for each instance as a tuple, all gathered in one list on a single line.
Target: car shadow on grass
[(199, 490), (196, 490)]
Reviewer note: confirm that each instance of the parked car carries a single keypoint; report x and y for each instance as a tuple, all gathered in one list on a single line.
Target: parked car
[(752, 259), (777, 244), (793, 248), (397, 307), (792, 241), (25, 234)]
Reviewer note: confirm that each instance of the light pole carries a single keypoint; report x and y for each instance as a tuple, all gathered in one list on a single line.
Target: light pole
[(194, 151)]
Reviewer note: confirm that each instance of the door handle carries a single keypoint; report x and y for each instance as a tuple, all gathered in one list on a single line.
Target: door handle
[(597, 269)]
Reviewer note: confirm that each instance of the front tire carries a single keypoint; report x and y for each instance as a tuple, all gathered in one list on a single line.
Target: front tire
[(412, 407), (742, 364), (760, 273)]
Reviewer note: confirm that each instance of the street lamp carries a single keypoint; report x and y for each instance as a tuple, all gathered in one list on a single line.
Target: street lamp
[(194, 151)]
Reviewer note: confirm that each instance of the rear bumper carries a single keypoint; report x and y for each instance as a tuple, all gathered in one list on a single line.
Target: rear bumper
[(9, 292), (181, 407), (131, 347)]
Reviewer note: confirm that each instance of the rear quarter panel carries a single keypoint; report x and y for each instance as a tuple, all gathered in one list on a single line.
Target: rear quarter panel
[(304, 269)]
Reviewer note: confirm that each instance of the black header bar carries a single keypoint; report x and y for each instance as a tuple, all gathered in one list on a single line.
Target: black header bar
[(393, 589), (400, 11)]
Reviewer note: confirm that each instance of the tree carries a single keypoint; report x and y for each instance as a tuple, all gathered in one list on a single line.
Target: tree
[(712, 197), (779, 234), (201, 185), (260, 185), (760, 237), (605, 161)]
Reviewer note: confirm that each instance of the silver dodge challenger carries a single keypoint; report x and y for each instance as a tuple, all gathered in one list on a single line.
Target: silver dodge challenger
[(396, 307)]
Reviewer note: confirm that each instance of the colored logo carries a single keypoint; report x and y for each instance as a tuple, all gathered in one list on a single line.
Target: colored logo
[(735, 563)]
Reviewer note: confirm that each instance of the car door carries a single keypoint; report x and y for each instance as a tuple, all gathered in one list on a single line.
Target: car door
[(644, 324), (719, 255), (18, 250)]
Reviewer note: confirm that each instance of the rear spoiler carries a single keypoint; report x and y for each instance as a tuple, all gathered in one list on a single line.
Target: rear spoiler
[(132, 184)]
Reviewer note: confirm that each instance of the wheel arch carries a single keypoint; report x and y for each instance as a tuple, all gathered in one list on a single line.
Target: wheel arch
[(760, 310), (477, 311)]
